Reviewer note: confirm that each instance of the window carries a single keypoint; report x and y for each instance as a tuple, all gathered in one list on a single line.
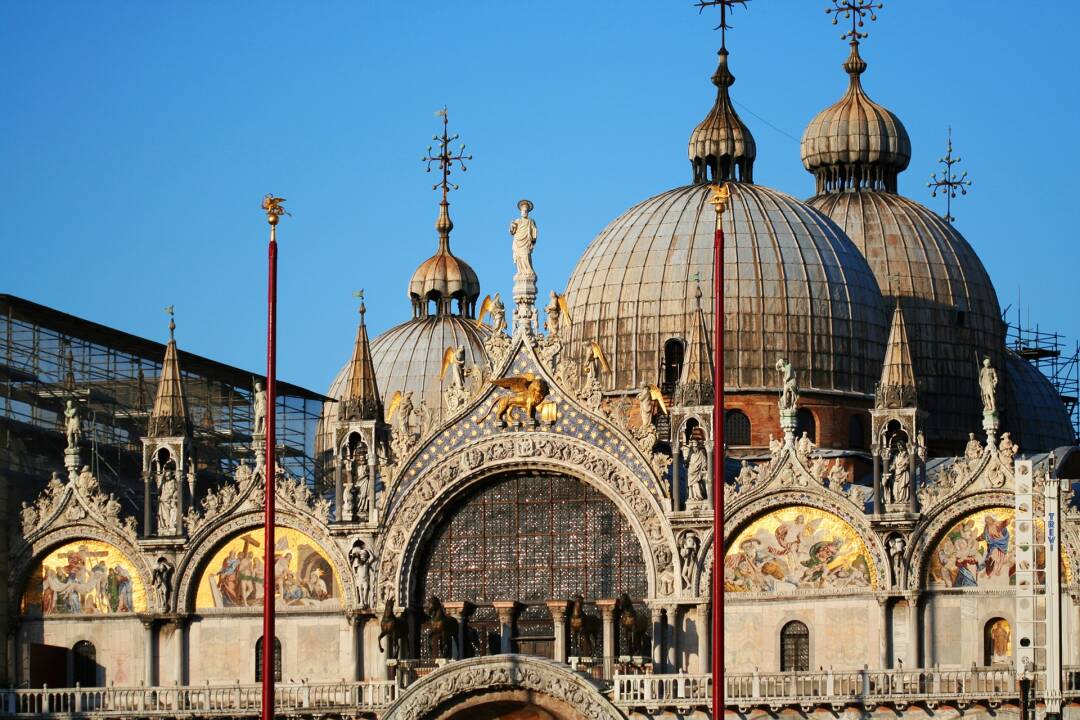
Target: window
[(85, 665), (804, 423), (673, 362), (856, 432), (259, 660), (794, 647), (736, 428)]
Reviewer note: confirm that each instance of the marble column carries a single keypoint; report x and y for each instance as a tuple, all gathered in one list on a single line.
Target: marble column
[(877, 479), (657, 638), (148, 650), (460, 611), (676, 473), (373, 508), (376, 670), (339, 491), (507, 611), (914, 632), (671, 648), (558, 619), (703, 638), (607, 613), (148, 500), (179, 647), (883, 633), (356, 632)]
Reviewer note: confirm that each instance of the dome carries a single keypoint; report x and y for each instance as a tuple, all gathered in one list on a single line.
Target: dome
[(444, 277), (795, 286), (408, 358), (855, 143), (949, 302), (1033, 411), (721, 146)]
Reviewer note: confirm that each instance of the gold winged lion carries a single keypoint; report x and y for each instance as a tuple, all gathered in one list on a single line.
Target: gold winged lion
[(527, 391)]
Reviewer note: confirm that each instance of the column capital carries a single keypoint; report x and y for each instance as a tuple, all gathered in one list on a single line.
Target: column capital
[(459, 610), (558, 609), (506, 609), (148, 621), (607, 607)]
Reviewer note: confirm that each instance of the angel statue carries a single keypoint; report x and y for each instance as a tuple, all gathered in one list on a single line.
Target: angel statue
[(523, 230), (789, 393), (646, 409), (596, 362), (494, 306), (988, 380), (400, 415), (557, 313)]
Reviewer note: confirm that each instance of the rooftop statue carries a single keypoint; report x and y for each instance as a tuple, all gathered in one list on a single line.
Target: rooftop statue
[(988, 380), (523, 230)]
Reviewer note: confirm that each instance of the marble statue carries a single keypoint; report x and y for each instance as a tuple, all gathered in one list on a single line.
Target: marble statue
[(899, 486), (896, 558), (973, 450), (689, 546), (551, 324), (168, 493), (789, 393), (362, 561), (161, 579), (72, 426), (498, 315), (988, 380), (29, 516), (697, 469), (260, 409), (86, 483), (1007, 449), (523, 230), (645, 406)]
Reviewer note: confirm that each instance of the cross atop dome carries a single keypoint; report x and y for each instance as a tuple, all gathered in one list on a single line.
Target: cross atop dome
[(724, 6), (855, 11)]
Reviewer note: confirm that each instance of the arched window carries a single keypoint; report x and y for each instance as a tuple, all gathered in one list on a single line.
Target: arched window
[(673, 362), (85, 664), (259, 660), (736, 428), (856, 432), (794, 647), (804, 423), (997, 643)]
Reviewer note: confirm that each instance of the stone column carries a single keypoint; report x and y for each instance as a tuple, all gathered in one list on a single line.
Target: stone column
[(676, 472), (460, 611), (607, 612), (558, 618), (874, 450), (883, 633), (148, 650), (179, 647), (148, 501), (703, 638), (671, 638), (370, 632), (356, 633), (339, 489), (657, 638), (914, 632), (373, 509), (507, 611)]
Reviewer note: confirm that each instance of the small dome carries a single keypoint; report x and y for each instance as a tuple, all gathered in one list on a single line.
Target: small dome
[(721, 146), (1034, 413), (795, 287), (856, 143), (444, 277), (408, 358)]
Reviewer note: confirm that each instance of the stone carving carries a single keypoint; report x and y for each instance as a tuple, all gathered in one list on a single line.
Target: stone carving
[(362, 561), (1007, 449), (804, 446), (86, 483), (526, 393), (689, 546), (789, 392), (295, 491), (697, 469), (898, 481), (401, 413), (168, 497), (161, 580), (72, 425), (259, 399), (557, 312), (895, 549), (988, 380), (665, 575), (974, 449), (523, 230), (455, 394)]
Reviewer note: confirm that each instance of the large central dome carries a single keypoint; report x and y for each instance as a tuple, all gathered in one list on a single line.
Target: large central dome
[(795, 287)]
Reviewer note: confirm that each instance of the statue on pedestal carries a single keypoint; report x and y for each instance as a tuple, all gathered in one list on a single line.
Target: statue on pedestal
[(259, 397), (72, 426), (523, 230), (988, 380)]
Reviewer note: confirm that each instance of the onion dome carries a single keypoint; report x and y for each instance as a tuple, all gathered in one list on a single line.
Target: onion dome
[(855, 143), (444, 277), (1033, 411), (795, 286), (721, 146)]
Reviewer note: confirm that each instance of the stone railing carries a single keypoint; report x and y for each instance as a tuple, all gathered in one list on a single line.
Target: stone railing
[(809, 689), (231, 700)]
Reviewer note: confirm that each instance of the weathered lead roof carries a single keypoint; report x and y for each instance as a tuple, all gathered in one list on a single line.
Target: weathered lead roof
[(1033, 411), (721, 146), (795, 287)]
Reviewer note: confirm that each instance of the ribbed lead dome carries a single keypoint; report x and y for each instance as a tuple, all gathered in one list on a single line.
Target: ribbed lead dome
[(855, 143), (444, 277), (721, 146), (795, 287)]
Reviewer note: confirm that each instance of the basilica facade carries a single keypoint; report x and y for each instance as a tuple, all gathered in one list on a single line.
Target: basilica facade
[(518, 513)]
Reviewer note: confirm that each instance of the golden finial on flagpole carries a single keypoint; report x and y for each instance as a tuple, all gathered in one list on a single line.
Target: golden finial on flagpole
[(721, 195), (273, 207)]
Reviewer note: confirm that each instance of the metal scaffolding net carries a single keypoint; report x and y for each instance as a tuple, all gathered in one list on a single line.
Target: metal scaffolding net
[(48, 357)]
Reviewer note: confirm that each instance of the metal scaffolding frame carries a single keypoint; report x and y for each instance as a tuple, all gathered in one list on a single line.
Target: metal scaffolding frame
[(1049, 352), (48, 357)]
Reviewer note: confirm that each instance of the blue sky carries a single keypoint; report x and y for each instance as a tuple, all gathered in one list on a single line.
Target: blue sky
[(139, 137)]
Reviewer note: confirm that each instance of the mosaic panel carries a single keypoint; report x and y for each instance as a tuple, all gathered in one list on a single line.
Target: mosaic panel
[(84, 577)]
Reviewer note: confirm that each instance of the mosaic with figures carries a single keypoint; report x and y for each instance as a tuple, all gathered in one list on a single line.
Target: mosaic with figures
[(978, 551), (798, 548), (85, 577)]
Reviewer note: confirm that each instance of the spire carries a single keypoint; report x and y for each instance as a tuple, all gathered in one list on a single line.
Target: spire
[(361, 399), (695, 385), (721, 146), (169, 416), (897, 386)]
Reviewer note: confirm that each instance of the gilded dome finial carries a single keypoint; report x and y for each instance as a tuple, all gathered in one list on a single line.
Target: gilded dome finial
[(721, 146)]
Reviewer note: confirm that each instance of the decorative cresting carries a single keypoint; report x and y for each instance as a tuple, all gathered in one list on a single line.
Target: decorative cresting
[(984, 467), (551, 685), (568, 439)]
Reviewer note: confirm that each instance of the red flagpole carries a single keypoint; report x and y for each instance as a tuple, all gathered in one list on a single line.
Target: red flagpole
[(719, 199), (270, 470)]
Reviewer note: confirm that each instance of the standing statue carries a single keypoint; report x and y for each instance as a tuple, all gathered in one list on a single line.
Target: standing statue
[(168, 493), (645, 406), (896, 558), (988, 380), (363, 500), (697, 469), (551, 324), (72, 426), (362, 560), (161, 579), (688, 554), (523, 230), (789, 392), (260, 409), (900, 482)]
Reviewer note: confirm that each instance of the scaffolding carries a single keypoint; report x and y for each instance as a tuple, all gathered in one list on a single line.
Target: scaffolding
[(1050, 353), (48, 357)]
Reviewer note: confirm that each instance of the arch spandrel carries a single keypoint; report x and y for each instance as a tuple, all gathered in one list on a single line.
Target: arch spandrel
[(84, 577), (799, 548)]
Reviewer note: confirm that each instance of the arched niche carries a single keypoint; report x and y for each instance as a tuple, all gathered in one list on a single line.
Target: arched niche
[(306, 578), (83, 577), (798, 548)]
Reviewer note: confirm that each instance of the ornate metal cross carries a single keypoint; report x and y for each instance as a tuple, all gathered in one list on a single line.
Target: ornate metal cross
[(724, 5), (446, 158), (855, 11), (949, 183)]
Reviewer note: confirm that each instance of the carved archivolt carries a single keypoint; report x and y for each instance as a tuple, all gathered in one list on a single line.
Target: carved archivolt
[(408, 522), (467, 679)]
